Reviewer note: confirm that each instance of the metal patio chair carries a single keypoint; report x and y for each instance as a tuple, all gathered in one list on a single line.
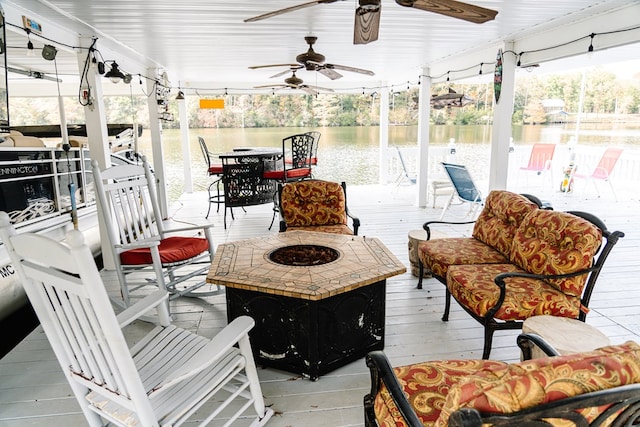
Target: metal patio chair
[(141, 242), (165, 378), (214, 170), (603, 170), (465, 189), (540, 160)]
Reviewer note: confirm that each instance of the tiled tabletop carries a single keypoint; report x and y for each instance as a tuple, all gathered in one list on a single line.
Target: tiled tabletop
[(245, 264)]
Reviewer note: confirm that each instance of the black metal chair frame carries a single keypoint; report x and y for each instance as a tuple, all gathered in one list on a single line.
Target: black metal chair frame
[(314, 149), (491, 324), (217, 198), (244, 184), (625, 399)]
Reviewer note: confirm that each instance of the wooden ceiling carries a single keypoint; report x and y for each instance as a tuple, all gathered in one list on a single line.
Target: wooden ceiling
[(206, 45)]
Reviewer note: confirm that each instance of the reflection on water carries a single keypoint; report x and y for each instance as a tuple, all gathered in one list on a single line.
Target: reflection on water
[(351, 154)]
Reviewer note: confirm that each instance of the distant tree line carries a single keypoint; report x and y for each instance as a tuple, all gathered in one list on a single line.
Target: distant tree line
[(604, 94)]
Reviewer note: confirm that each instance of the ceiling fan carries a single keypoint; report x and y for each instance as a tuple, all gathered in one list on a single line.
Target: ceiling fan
[(295, 82), (367, 18), (314, 61)]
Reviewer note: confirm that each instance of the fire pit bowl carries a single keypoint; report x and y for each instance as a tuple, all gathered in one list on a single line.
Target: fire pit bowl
[(303, 255)]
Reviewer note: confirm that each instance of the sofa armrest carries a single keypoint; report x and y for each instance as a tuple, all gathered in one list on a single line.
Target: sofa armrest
[(527, 341), (355, 221), (382, 372), (427, 225), (500, 282)]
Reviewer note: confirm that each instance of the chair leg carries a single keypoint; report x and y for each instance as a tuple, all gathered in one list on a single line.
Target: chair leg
[(420, 272), (488, 341), (446, 206), (447, 305)]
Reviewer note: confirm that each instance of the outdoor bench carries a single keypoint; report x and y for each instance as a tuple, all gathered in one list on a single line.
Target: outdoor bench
[(520, 261), (596, 388)]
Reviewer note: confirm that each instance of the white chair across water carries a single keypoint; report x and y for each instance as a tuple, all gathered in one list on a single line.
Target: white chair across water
[(166, 379)]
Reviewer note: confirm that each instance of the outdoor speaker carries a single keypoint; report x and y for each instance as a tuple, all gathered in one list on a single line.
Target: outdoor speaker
[(49, 52)]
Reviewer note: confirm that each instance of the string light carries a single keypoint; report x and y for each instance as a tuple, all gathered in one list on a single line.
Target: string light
[(30, 51), (480, 72), (590, 49)]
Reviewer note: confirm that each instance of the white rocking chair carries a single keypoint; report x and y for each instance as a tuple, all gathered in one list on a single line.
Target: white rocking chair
[(163, 379), (140, 240)]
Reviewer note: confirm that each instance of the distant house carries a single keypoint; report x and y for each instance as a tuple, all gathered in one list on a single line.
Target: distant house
[(554, 109)]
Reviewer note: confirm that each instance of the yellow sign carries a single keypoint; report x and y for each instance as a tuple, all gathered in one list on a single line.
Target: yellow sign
[(212, 103)]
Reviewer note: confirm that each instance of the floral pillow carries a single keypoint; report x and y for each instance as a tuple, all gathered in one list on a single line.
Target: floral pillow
[(511, 388)]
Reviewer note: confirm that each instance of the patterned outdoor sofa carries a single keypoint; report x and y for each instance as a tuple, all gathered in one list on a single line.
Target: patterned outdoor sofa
[(316, 205), (594, 388), (521, 261)]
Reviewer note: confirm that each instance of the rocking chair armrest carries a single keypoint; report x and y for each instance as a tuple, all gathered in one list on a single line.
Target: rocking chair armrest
[(171, 226), (145, 243), (143, 306), (210, 354), (382, 372)]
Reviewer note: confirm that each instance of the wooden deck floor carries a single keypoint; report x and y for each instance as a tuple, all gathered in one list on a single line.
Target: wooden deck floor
[(33, 391)]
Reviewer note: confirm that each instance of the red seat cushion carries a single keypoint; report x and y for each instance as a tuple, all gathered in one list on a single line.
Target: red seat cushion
[(215, 170), (291, 174), (172, 250)]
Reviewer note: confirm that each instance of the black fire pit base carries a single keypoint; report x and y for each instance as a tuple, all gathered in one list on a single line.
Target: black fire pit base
[(312, 337)]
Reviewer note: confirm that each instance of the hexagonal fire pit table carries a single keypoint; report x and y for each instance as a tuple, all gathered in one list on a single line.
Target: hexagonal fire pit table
[(318, 299)]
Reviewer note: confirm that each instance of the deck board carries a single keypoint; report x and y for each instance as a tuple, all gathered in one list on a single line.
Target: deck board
[(33, 391)]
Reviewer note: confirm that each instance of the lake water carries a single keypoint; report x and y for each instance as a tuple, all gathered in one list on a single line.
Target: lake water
[(351, 154)]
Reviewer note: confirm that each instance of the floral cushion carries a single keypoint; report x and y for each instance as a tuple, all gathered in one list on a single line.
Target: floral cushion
[(438, 254), (473, 287), (500, 218), (426, 385), (313, 202), (334, 229), (549, 242), (511, 388)]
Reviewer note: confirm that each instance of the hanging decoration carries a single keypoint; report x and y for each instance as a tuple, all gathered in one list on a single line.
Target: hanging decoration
[(451, 99), (497, 76)]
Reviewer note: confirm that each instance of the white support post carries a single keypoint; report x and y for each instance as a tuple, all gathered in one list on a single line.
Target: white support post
[(156, 145), (186, 149), (384, 134), (502, 113), (424, 112), (97, 135)]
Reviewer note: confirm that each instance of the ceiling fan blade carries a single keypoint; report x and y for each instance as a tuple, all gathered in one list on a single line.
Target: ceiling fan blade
[(330, 73), (255, 67), (308, 90), (453, 8), (350, 69), (366, 25), (326, 89), (282, 73), (288, 9), (270, 86)]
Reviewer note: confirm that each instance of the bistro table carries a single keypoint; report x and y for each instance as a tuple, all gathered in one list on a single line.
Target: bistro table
[(311, 317), (242, 179)]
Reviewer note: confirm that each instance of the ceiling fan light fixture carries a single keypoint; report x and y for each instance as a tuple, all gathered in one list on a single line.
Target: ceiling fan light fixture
[(368, 6), (114, 74)]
